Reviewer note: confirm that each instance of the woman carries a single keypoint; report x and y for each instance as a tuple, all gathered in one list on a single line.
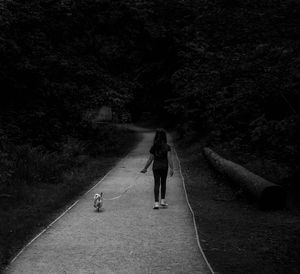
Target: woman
[(160, 154)]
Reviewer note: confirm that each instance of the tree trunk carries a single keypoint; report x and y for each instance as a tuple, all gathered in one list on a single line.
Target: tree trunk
[(268, 195)]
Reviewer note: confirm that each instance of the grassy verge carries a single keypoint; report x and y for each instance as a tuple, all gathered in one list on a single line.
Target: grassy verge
[(236, 236), (34, 200)]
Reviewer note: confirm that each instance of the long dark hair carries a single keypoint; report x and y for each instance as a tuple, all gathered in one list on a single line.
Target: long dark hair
[(160, 141)]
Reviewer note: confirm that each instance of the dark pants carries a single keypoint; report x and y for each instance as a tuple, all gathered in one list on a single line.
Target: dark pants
[(160, 178)]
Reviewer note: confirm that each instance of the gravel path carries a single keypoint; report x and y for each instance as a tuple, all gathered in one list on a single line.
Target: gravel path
[(127, 236)]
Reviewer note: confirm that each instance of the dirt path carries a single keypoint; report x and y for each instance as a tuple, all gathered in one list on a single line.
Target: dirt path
[(128, 236)]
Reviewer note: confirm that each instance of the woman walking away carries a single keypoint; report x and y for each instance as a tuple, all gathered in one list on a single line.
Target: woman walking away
[(160, 154)]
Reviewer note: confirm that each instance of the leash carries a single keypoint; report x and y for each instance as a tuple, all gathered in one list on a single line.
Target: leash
[(125, 191)]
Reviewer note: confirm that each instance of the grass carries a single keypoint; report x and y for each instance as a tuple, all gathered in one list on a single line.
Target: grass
[(43, 184), (236, 236)]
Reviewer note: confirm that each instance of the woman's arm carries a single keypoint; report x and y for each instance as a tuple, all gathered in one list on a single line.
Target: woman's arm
[(170, 162), (150, 159)]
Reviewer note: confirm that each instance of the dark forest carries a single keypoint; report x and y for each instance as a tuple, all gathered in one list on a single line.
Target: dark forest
[(225, 72)]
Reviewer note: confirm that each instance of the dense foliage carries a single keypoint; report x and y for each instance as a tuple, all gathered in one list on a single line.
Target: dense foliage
[(239, 78), (224, 69), (229, 68)]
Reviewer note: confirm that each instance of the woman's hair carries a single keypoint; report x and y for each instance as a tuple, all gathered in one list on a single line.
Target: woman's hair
[(160, 141), (160, 137)]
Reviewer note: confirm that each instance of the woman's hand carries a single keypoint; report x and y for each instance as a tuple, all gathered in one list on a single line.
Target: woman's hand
[(144, 170), (171, 172)]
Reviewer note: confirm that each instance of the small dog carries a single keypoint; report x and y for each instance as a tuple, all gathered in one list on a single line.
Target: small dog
[(98, 201)]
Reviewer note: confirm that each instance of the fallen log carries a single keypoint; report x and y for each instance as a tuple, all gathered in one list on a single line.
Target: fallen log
[(268, 194)]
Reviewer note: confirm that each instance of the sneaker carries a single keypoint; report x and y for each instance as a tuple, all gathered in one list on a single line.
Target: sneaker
[(163, 203), (156, 205)]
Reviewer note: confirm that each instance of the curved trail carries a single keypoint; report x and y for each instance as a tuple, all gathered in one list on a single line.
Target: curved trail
[(127, 236)]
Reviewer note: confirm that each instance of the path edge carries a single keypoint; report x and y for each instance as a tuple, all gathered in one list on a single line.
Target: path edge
[(193, 216), (98, 181), (57, 219)]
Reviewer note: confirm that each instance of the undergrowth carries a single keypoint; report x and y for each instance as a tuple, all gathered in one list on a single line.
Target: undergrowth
[(36, 183)]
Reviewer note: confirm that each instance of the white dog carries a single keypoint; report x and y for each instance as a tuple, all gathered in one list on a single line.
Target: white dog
[(98, 201)]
